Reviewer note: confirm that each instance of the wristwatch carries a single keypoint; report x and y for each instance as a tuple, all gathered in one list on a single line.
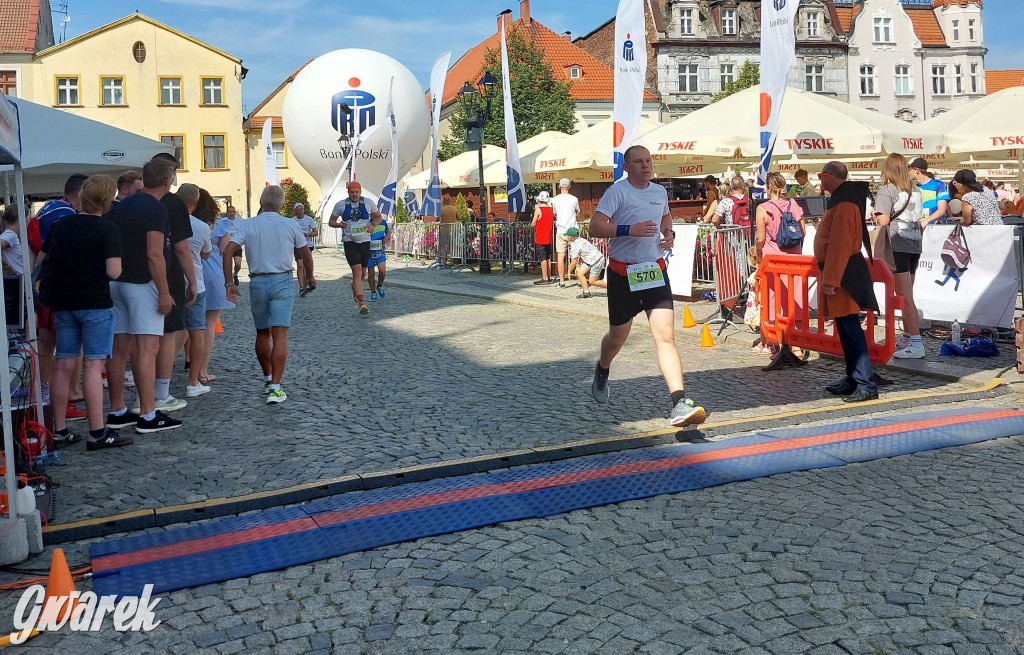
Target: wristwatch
[(229, 284)]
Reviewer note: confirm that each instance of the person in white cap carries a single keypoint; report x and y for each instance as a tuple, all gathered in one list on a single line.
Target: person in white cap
[(567, 208), (543, 224), (308, 226)]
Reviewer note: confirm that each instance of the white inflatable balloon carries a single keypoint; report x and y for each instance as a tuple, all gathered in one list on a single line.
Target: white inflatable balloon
[(313, 119)]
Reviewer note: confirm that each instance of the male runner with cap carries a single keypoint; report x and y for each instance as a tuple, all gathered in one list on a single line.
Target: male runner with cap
[(357, 217)]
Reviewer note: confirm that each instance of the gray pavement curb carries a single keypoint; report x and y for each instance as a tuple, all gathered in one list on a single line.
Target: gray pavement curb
[(164, 516)]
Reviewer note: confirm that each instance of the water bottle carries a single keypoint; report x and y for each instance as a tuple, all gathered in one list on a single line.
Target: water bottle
[(955, 332)]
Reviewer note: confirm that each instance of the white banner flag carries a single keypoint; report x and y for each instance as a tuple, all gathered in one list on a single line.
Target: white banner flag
[(432, 196), (387, 203), (269, 161), (778, 49), (630, 72), (516, 189), (10, 131)]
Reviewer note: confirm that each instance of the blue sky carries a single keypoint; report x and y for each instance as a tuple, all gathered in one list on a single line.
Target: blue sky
[(274, 37)]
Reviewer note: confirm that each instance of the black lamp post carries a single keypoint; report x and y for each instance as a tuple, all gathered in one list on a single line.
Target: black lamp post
[(477, 115)]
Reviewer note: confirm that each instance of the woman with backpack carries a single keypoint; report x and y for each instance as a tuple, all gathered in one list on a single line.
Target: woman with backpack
[(899, 208), (780, 231)]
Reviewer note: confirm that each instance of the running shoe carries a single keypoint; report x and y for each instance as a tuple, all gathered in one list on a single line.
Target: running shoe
[(74, 414), (585, 294), (560, 284), (158, 423), (123, 421), (276, 396), (168, 404), (382, 293), (541, 281), (65, 439), (303, 292), (599, 388), (363, 309), (266, 386), (111, 439), (197, 390), (686, 412), (373, 297), (910, 352)]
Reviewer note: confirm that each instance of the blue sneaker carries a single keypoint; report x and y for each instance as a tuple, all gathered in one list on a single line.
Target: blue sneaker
[(373, 297), (383, 295)]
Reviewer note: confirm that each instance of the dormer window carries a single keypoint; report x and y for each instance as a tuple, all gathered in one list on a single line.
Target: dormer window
[(970, 30), (574, 72), (813, 24), (729, 21), (883, 29), (686, 22), (956, 31)]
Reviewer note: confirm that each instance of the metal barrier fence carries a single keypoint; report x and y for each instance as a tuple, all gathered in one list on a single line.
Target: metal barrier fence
[(731, 271)]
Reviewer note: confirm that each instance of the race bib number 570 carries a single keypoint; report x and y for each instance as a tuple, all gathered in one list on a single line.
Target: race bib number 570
[(647, 275)]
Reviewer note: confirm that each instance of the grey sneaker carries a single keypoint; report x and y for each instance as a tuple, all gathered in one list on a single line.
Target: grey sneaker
[(687, 412), (599, 388), (110, 439), (168, 404)]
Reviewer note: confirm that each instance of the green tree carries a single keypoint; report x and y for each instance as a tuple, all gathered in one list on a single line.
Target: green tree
[(540, 102), (293, 193), (749, 75), (401, 213), (461, 209)]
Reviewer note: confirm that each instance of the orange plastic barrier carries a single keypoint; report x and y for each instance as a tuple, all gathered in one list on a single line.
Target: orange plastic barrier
[(784, 283)]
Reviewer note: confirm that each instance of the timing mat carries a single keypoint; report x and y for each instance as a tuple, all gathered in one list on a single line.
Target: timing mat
[(274, 539)]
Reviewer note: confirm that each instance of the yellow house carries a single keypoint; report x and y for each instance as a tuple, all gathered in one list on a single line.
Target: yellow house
[(271, 109), (145, 77)]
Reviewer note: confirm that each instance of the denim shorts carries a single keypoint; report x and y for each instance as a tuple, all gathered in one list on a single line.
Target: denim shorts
[(90, 331), (195, 316), (271, 297)]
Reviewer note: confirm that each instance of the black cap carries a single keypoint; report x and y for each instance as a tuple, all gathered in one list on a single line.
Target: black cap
[(919, 164)]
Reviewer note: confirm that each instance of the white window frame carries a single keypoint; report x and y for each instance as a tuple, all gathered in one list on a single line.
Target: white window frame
[(900, 79), (112, 86), (170, 90), (689, 78), (939, 80), (280, 159), (813, 24), (971, 33), (956, 31), (215, 87), (958, 79), (975, 87), (70, 86), (814, 78), (686, 22), (729, 25), (867, 78), (727, 74), (574, 72), (882, 28)]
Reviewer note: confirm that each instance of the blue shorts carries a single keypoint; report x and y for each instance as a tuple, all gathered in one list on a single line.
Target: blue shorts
[(377, 258), (89, 331), (195, 316), (271, 297)]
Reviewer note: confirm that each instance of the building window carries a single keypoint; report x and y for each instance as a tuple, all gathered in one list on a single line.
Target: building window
[(139, 51), (956, 31), (728, 21), (975, 86), (815, 77), (213, 90), (214, 152), (939, 79), (687, 78), (970, 30), (883, 29), (728, 74), (112, 91), (903, 83), (9, 82), (574, 72), (686, 22), (67, 92), (958, 78), (280, 160), (177, 141), (867, 80), (813, 23), (170, 91)]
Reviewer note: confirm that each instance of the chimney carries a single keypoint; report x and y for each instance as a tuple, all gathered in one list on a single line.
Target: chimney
[(524, 11), (568, 36)]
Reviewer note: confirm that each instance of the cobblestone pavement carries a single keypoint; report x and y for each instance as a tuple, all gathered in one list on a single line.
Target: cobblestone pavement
[(426, 377), (915, 554)]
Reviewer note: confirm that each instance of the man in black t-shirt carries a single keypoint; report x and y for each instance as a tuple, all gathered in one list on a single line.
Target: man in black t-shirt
[(181, 282)]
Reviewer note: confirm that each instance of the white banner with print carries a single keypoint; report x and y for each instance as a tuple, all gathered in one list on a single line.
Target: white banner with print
[(982, 294), (630, 73), (679, 260), (10, 130), (778, 48), (432, 196), (516, 190), (269, 160), (388, 201)]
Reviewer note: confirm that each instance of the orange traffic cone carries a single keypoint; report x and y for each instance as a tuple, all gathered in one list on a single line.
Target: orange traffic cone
[(218, 329), (688, 321), (705, 338), (60, 586)]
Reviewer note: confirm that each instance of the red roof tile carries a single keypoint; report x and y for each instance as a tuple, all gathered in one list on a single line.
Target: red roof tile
[(846, 16), (999, 80), (596, 83), (926, 26), (19, 20), (962, 3)]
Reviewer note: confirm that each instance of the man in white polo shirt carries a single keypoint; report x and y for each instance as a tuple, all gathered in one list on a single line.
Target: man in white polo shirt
[(272, 245), (634, 216), (567, 208)]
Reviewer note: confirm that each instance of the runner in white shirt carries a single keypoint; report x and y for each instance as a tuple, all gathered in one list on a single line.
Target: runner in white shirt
[(567, 208), (633, 214), (356, 216), (586, 260)]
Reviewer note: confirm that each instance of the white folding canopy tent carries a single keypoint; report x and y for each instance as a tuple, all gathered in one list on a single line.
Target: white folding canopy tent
[(39, 148)]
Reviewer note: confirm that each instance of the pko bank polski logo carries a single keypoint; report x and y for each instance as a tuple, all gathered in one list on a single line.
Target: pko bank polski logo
[(82, 612), (779, 4), (361, 106)]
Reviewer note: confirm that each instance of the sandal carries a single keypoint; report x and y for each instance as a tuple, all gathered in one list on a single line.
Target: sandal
[(207, 379), (761, 348)]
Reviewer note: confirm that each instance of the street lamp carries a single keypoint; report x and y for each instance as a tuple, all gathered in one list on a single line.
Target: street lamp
[(344, 140), (477, 115)]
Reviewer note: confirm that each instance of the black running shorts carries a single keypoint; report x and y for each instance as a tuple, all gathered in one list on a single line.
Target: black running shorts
[(624, 304), (357, 253)]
